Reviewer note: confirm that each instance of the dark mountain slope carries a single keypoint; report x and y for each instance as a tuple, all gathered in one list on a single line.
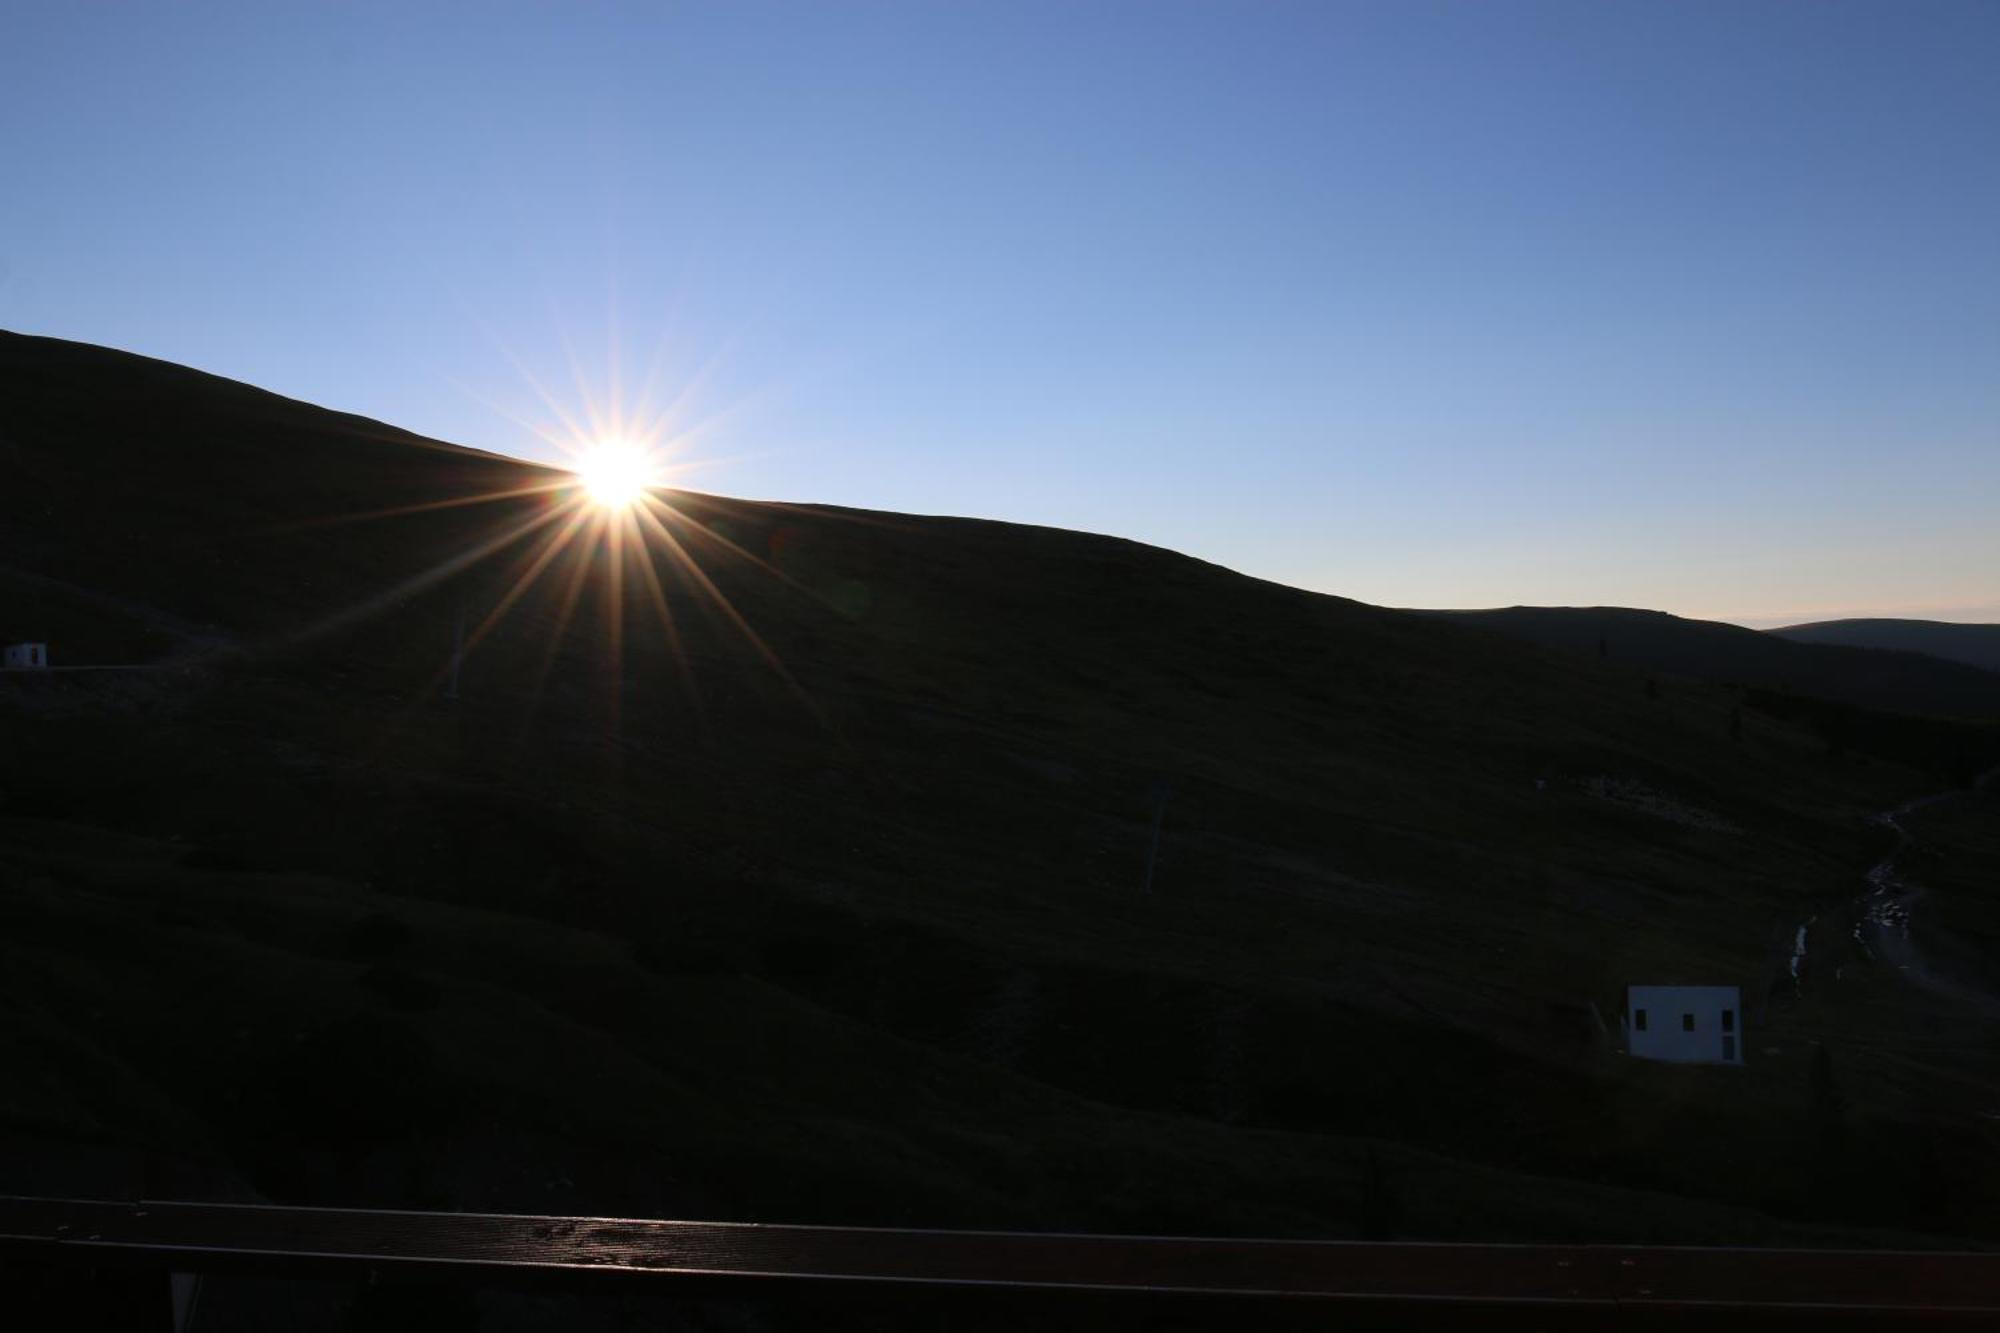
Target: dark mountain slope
[(1974, 645), (844, 923), (1872, 677)]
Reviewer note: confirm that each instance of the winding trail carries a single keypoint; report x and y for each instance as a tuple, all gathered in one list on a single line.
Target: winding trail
[(1882, 914)]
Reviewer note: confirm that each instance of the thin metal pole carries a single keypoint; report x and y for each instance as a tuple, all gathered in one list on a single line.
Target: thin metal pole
[(457, 652), (1161, 794)]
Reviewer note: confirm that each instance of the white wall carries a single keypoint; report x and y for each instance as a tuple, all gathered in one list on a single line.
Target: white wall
[(1665, 1038)]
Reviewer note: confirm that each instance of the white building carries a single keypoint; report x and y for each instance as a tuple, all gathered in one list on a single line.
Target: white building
[(26, 657), (1687, 1024)]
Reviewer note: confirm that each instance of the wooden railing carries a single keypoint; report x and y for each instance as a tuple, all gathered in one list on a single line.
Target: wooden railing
[(1462, 1284)]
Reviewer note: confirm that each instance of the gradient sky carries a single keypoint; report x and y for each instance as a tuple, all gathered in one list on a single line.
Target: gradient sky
[(1687, 306)]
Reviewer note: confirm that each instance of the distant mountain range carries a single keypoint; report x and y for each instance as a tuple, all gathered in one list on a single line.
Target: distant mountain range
[(1825, 661), (1974, 645)]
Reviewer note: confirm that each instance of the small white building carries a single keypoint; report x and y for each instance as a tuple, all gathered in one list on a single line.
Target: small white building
[(1685, 1024), (26, 657)]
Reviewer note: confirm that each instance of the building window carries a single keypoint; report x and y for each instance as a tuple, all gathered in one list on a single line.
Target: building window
[(1729, 1020), (1638, 1020), (1687, 1022)]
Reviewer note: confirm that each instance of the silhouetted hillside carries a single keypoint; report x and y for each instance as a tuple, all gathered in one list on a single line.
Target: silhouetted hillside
[(1974, 645), (1873, 677), (786, 862)]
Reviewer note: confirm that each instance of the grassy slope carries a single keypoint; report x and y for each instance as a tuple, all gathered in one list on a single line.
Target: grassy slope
[(664, 933)]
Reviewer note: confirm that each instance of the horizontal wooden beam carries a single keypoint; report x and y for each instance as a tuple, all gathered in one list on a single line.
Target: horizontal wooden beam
[(479, 1246)]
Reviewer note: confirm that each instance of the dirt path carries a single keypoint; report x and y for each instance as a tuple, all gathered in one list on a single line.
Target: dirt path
[(1882, 914)]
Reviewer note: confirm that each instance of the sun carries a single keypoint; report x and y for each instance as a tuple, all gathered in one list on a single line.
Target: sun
[(615, 474)]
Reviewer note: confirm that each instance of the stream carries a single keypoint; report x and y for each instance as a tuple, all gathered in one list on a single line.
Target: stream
[(1882, 913)]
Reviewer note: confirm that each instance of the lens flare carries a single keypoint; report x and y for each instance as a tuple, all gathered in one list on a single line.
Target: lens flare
[(608, 519), (615, 474)]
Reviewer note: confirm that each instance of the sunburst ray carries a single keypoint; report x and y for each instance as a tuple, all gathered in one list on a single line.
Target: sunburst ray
[(437, 573), (428, 506), (717, 599)]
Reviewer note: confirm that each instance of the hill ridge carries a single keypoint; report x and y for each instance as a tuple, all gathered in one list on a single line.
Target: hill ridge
[(805, 879)]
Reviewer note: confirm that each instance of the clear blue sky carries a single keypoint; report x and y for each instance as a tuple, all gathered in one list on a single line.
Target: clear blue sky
[(1693, 306)]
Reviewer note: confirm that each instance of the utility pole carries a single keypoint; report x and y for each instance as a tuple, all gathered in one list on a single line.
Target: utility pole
[(1162, 793), (457, 652)]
